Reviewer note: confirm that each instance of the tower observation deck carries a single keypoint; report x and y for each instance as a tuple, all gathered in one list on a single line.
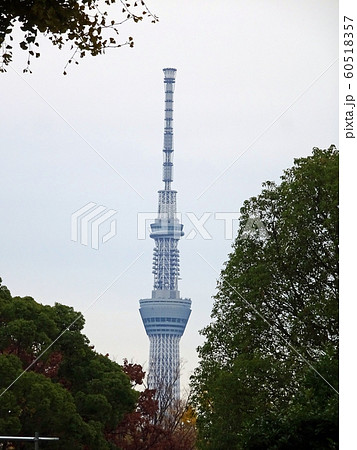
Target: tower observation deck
[(165, 314)]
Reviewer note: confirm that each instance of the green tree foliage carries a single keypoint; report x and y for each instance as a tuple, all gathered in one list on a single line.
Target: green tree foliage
[(82, 23), (268, 372), (69, 391)]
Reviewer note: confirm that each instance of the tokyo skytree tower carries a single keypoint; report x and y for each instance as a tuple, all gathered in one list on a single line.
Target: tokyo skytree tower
[(165, 314)]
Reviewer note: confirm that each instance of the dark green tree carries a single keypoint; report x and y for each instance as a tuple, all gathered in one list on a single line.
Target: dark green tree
[(82, 23), (57, 386), (267, 377)]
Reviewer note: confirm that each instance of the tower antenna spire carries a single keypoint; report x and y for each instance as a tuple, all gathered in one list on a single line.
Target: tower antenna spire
[(169, 82), (165, 314)]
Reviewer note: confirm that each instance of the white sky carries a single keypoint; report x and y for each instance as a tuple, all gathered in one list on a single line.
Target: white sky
[(260, 72)]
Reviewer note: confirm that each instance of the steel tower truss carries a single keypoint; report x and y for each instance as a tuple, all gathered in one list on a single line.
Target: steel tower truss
[(165, 314)]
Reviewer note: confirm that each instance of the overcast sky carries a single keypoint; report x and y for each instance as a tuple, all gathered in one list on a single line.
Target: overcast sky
[(256, 87)]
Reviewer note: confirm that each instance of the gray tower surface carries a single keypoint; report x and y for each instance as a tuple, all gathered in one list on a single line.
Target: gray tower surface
[(165, 314)]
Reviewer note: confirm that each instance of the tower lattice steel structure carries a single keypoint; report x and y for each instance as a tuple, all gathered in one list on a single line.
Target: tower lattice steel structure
[(165, 314)]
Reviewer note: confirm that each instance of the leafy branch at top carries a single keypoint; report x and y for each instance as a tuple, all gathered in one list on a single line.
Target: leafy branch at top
[(82, 23)]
